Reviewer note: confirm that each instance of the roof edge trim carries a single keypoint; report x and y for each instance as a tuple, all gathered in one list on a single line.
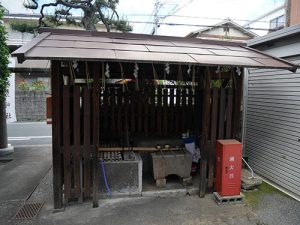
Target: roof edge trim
[(294, 67), (20, 52)]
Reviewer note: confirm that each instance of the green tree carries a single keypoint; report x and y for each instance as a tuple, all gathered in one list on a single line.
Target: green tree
[(4, 82), (94, 11)]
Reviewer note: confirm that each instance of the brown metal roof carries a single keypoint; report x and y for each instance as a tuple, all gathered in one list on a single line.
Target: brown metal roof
[(86, 45)]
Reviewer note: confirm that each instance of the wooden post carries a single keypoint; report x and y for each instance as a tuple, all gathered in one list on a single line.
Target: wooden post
[(66, 142), (228, 114), (205, 130), (96, 109), (76, 143), (87, 140), (238, 88), (222, 113), (213, 135), (56, 83)]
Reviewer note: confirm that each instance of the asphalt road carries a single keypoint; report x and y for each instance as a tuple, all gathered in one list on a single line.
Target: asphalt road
[(31, 133)]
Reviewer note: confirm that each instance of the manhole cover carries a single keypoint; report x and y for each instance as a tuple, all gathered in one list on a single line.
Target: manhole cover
[(29, 210)]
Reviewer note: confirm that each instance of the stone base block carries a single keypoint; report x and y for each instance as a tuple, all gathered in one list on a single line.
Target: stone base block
[(161, 182), (187, 181), (123, 177), (168, 163)]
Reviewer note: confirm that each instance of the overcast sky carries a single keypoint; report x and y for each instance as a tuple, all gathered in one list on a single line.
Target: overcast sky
[(237, 10)]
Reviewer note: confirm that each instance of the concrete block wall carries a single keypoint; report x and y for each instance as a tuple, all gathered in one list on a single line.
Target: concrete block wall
[(31, 105)]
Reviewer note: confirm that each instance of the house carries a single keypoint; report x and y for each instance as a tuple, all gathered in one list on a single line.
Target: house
[(91, 115), (226, 30), (15, 15), (282, 16), (272, 119)]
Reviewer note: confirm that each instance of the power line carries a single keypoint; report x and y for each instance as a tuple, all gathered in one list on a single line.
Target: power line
[(197, 17), (176, 10), (152, 14), (160, 5), (198, 25)]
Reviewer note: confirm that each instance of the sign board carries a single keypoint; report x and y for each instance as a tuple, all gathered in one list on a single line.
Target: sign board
[(10, 99)]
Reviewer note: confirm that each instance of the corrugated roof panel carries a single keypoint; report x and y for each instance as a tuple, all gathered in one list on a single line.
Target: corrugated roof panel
[(198, 45), (87, 45), (68, 53), (225, 60), (154, 56), (90, 45), (248, 54), (143, 42), (234, 48), (200, 51), (78, 38)]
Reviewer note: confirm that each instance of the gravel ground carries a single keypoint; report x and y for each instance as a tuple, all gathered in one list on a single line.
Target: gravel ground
[(278, 209)]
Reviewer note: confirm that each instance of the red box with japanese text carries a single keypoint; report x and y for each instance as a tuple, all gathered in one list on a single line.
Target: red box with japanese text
[(228, 167)]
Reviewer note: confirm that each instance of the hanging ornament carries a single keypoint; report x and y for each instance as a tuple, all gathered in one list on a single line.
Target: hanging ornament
[(238, 71), (72, 73), (193, 80), (218, 69), (135, 70), (189, 70), (122, 77), (155, 78), (87, 75), (107, 71), (103, 77), (75, 65), (135, 74), (167, 68)]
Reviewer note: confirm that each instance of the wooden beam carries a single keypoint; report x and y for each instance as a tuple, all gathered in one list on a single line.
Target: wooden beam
[(56, 83), (136, 149)]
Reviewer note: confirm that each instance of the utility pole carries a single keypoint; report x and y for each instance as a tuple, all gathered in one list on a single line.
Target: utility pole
[(157, 6), (287, 13)]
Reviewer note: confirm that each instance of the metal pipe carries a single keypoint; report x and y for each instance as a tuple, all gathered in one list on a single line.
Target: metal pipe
[(252, 174)]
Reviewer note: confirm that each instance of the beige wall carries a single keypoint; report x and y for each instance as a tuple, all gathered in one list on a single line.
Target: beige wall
[(295, 12)]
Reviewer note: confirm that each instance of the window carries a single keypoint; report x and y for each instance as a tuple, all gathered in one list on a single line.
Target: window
[(277, 23)]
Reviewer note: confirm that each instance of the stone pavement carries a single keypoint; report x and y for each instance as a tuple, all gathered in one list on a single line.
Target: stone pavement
[(171, 209), (189, 210), (20, 173), (20, 177)]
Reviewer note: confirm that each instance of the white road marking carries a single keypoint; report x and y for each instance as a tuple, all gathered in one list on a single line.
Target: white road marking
[(27, 138), (32, 146), (27, 123)]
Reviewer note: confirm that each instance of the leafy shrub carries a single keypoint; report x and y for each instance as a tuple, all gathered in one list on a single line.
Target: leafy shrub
[(38, 86), (23, 27), (4, 53), (23, 86)]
